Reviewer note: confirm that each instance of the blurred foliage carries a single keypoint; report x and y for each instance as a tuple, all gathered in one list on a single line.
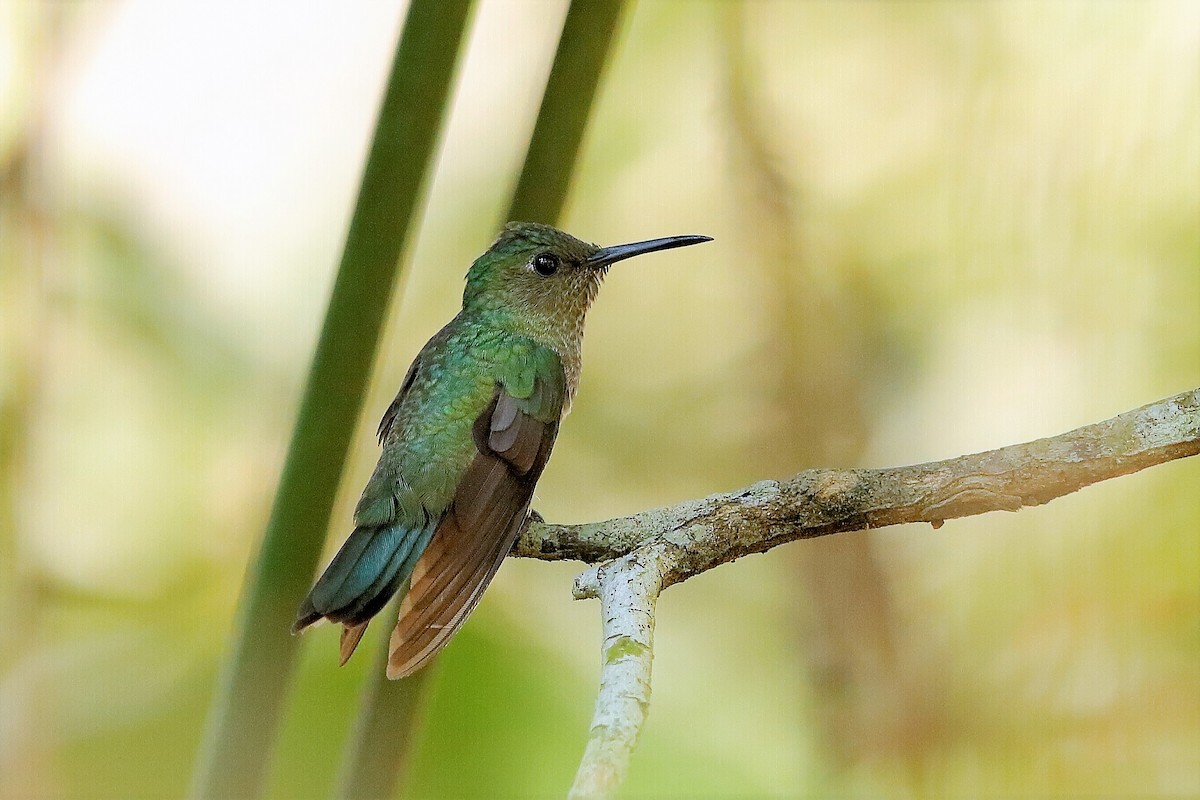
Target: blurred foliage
[(234, 760), (941, 227)]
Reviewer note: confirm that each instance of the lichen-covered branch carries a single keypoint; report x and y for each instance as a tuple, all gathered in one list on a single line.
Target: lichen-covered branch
[(640, 555), (628, 589), (701, 534)]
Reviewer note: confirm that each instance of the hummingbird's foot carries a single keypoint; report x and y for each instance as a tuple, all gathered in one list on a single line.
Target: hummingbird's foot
[(530, 518)]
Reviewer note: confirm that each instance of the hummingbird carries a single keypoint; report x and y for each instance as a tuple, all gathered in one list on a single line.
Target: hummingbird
[(465, 441)]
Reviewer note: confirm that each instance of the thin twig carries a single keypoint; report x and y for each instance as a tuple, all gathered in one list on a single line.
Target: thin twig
[(628, 589), (642, 554), (817, 502)]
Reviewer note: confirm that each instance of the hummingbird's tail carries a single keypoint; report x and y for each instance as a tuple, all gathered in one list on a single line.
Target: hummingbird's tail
[(364, 575)]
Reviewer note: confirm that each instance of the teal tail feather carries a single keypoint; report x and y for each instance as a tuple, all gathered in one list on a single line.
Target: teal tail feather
[(364, 575)]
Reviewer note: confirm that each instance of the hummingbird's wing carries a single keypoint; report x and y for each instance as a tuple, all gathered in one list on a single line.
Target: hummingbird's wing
[(513, 438), (393, 410)]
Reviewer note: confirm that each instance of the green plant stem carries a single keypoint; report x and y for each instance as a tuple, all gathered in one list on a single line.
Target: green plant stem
[(583, 52), (379, 750), (255, 677), (388, 710)]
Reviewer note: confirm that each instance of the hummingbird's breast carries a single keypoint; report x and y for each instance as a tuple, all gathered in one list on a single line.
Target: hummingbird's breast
[(565, 338), (560, 328)]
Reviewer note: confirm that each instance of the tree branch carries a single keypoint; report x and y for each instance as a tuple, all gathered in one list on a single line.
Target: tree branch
[(628, 589), (702, 534), (649, 551)]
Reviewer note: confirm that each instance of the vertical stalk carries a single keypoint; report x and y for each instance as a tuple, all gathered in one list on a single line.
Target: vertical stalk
[(388, 714), (583, 51), (380, 747), (255, 677)]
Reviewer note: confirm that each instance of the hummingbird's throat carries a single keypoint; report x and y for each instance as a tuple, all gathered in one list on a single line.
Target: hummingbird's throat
[(555, 317)]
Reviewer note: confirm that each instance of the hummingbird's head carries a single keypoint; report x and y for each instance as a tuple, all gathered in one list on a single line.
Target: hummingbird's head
[(544, 280)]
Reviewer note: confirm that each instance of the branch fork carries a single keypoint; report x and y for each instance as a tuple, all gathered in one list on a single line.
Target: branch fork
[(636, 557)]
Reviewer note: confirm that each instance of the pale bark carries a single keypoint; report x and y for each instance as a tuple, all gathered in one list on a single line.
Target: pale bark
[(640, 555)]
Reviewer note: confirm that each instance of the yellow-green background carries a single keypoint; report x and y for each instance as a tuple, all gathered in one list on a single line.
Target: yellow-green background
[(940, 228)]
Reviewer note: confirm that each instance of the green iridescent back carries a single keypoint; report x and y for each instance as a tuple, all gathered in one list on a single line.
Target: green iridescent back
[(428, 446)]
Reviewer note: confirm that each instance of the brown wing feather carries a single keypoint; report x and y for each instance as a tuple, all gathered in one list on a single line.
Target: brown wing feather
[(426, 625), (475, 534)]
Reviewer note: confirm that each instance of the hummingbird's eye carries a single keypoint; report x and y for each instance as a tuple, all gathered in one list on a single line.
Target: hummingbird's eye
[(546, 264)]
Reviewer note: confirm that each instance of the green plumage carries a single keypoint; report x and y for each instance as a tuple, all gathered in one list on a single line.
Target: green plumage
[(465, 441), (428, 447)]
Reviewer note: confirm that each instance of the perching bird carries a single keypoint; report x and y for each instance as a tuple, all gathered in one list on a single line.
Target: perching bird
[(465, 442)]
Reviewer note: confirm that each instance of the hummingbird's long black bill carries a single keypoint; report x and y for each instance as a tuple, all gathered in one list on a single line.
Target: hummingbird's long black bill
[(619, 252)]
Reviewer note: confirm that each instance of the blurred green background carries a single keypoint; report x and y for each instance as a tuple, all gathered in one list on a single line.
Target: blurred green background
[(940, 227)]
